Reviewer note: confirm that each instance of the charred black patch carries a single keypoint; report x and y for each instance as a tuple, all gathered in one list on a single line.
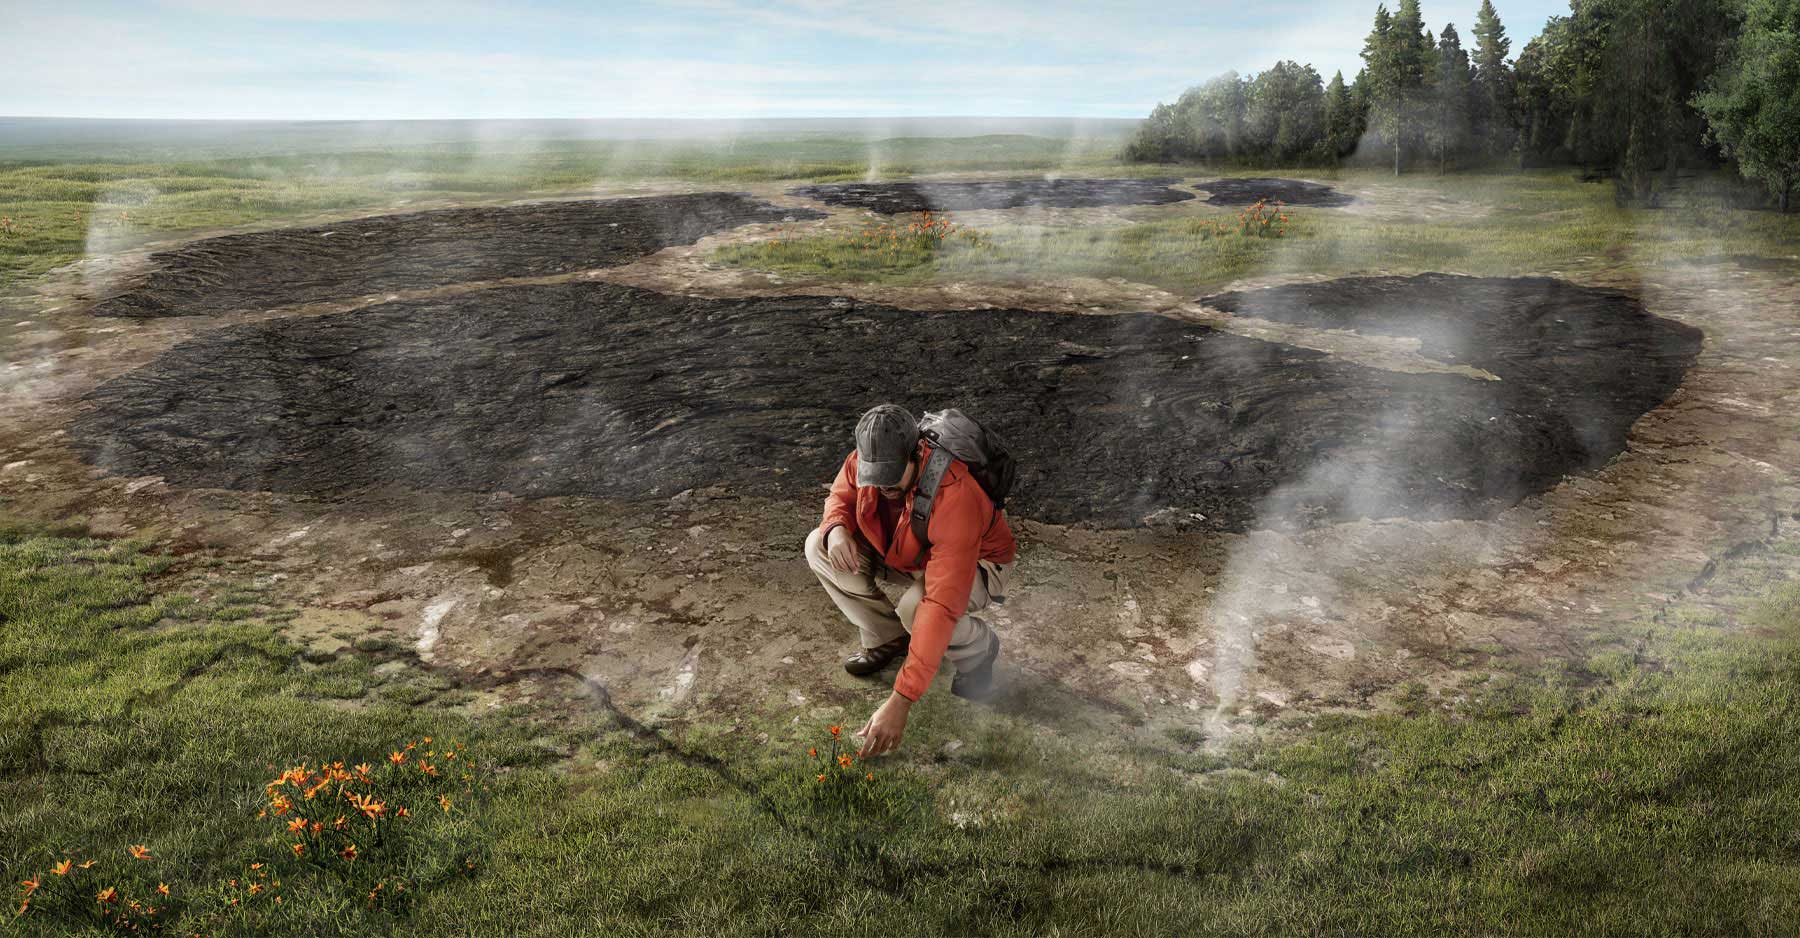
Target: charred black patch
[(1249, 191), (603, 390), (386, 253), (894, 198)]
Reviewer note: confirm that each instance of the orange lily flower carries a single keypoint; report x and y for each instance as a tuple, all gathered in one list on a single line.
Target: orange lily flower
[(162, 888), (107, 896), (31, 885), (140, 852), (62, 869)]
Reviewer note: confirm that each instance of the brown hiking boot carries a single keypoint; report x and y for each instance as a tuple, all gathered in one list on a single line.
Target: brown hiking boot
[(870, 660)]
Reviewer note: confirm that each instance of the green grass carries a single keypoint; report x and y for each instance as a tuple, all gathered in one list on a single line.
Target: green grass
[(65, 203), (134, 716), (1532, 222), (1616, 795)]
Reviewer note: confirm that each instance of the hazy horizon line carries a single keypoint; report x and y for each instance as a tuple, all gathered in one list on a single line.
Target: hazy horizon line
[(622, 120)]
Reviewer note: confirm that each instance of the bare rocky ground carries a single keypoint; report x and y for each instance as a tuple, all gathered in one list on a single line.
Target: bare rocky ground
[(697, 607)]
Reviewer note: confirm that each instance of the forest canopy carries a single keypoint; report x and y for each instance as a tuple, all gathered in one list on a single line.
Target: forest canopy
[(1638, 89)]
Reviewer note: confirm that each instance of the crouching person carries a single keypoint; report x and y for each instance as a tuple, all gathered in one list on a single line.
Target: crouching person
[(868, 532)]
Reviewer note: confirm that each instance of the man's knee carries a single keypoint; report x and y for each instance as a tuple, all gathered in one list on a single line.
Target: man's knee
[(909, 603), (815, 547)]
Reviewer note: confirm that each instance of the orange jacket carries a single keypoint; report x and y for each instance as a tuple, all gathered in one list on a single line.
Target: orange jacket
[(964, 528)]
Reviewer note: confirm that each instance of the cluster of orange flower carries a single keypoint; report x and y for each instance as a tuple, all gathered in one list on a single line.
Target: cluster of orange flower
[(59, 892), (335, 814), (838, 764), (929, 231), (325, 829), (1257, 219), (7, 225)]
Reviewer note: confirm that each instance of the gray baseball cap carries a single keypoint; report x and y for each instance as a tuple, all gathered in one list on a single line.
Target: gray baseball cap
[(886, 437)]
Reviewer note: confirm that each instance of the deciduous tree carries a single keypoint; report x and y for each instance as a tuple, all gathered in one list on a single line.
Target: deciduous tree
[(1752, 104)]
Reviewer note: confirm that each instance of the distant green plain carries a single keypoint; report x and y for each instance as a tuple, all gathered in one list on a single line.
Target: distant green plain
[(105, 198)]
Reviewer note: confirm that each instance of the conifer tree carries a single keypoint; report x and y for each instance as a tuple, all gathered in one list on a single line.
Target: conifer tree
[(1492, 112), (1399, 57), (1450, 98), (1343, 120)]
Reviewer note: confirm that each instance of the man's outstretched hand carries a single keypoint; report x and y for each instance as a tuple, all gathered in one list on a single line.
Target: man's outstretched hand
[(840, 550), (883, 731)]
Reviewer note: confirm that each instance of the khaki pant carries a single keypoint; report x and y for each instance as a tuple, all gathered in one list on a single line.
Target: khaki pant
[(881, 621)]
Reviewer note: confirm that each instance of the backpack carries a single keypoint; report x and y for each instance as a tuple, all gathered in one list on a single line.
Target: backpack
[(955, 435)]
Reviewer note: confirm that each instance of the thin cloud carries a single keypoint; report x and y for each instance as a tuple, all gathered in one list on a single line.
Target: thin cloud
[(689, 58)]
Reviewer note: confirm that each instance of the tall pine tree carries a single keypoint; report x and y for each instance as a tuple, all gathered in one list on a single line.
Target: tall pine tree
[(1398, 55), (1492, 116), (1450, 98), (1343, 120)]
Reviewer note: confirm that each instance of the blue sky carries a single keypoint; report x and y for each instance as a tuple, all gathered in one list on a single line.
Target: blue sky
[(387, 59)]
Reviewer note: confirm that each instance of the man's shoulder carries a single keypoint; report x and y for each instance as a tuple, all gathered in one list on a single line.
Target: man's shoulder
[(959, 495)]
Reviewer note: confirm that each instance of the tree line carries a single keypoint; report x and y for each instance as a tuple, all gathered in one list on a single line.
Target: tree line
[(1641, 89)]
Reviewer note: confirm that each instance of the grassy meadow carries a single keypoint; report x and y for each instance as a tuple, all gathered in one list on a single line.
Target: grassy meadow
[(1496, 224), (141, 712), (151, 701)]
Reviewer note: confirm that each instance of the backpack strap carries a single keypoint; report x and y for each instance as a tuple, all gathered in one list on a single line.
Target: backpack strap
[(926, 493)]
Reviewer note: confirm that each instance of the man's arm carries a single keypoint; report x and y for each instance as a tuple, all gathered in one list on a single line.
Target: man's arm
[(840, 505), (956, 524)]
